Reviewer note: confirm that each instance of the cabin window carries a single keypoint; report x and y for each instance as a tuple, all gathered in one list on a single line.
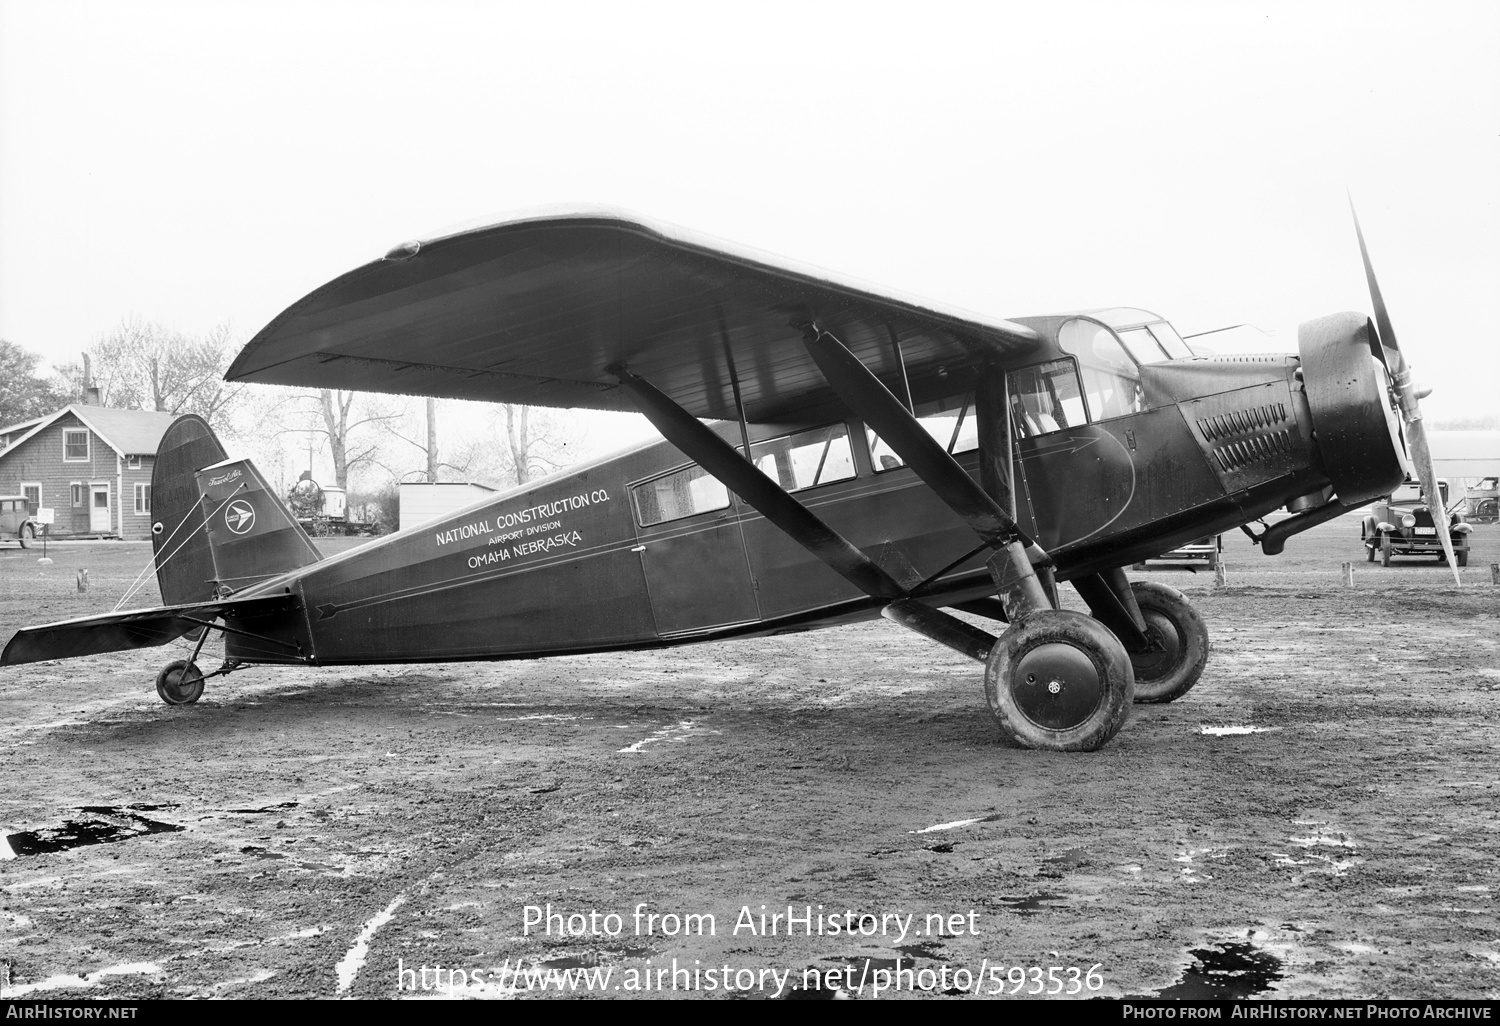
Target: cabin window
[(76, 445), (78, 493), (1111, 378), (1045, 397), (143, 498), (950, 421), (682, 493), (808, 458)]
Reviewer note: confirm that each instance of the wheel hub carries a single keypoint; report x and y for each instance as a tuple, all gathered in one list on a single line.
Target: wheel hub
[(1056, 686), (1165, 649)]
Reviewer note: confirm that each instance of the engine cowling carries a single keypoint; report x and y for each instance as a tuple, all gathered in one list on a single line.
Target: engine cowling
[(1356, 432)]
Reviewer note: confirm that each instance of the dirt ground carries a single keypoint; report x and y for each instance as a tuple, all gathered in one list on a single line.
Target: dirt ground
[(1318, 818)]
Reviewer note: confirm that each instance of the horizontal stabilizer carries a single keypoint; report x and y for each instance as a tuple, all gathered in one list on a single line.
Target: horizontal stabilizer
[(138, 628)]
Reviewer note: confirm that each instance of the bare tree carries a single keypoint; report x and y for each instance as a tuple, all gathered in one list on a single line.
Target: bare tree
[(538, 443), (145, 365), (341, 413), (535, 444)]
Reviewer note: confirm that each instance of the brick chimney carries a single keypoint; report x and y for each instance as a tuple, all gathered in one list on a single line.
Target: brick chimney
[(90, 390)]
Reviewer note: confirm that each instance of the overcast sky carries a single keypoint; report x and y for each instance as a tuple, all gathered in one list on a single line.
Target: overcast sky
[(201, 162)]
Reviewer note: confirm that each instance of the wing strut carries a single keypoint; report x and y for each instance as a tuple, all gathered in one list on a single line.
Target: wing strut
[(799, 523), (1021, 569)]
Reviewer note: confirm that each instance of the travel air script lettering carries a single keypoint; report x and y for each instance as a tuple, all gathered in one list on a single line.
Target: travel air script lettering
[(526, 532)]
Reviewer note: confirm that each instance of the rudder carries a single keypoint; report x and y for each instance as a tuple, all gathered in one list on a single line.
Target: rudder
[(184, 563)]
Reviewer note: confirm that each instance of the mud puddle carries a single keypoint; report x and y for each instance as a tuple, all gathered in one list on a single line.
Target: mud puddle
[(120, 823)]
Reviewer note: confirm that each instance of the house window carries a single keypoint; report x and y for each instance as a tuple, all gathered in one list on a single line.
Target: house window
[(33, 493), (78, 493), (143, 499), (133, 462), (76, 445)]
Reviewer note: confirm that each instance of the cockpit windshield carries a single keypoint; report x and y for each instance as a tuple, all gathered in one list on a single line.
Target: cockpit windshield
[(1111, 376)]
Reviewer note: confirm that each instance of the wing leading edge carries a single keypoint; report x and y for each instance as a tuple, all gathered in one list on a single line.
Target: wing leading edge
[(538, 311)]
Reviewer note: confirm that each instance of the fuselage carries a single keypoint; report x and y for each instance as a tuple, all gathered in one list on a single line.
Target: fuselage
[(644, 548)]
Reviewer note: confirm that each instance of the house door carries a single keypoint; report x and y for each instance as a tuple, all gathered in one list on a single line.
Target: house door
[(99, 519)]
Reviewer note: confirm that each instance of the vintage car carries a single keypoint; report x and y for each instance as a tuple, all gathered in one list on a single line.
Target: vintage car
[(1402, 525), (16, 521), (1484, 501)]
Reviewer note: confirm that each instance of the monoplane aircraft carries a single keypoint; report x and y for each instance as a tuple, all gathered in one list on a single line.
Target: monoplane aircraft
[(832, 453)]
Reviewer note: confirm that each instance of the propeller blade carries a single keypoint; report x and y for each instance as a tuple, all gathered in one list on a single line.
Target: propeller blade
[(1408, 397), (1395, 363), (1421, 455)]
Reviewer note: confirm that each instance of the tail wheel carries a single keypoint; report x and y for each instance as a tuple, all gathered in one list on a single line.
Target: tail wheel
[(1060, 681), (1179, 650), (28, 535), (180, 683)]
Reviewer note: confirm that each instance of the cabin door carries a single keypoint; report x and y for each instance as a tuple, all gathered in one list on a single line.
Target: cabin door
[(99, 519), (692, 550)]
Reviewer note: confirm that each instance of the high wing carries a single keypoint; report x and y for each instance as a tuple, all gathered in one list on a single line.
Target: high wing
[(542, 310), (137, 628)]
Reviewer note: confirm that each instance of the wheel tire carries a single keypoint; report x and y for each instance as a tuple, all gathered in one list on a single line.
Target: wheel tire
[(27, 534), (180, 683), (1162, 676), (1059, 681), (1385, 550), (1369, 552), (1461, 556)]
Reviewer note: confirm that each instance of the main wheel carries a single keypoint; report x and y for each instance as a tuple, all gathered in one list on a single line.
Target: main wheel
[(1461, 556), (1059, 680), (1179, 644), (179, 683), (27, 535), (1385, 550)]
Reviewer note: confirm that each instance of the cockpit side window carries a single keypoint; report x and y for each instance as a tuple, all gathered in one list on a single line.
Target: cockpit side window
[(1045, 398), (1111, 377)]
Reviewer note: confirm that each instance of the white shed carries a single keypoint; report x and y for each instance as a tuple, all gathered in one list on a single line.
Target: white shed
[(421, 502)]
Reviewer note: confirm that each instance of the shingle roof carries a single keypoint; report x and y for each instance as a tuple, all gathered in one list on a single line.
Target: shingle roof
[(128, 432)]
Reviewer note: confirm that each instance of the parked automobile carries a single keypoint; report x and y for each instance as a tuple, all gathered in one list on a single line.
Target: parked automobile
[(16, 521), (1484, 501), (1402, 525)]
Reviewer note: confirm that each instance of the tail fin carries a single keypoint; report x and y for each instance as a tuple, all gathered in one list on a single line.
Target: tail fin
[(184, 564), (196, 548), (251, 536)]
